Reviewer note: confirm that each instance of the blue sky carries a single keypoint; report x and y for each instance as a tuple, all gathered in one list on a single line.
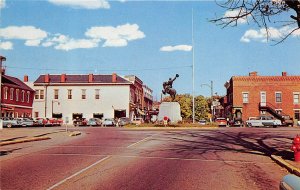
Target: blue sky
[(150, 39)]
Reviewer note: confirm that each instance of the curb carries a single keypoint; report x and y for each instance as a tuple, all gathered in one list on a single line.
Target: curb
[(170, 128), (24, 140), (75, 133), (292, 169)]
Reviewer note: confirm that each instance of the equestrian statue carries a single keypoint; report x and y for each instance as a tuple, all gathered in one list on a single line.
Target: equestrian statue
[(168, 87)]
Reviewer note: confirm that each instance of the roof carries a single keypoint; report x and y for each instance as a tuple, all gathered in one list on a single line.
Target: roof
[(15, 82), (76, 78)]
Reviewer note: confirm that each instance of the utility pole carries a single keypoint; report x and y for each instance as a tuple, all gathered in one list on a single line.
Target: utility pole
[(1, 69), (193, 46)]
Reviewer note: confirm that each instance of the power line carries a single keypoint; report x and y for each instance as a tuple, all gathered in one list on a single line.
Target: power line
[(89, 70)]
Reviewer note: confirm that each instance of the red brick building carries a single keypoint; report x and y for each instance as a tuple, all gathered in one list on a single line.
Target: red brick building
[(16, 97), (254, 95)]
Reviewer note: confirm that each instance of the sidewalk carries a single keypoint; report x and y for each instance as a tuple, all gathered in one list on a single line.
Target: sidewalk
[(20, 135)]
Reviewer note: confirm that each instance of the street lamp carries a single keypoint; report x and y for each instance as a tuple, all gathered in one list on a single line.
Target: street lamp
[(211, 86)]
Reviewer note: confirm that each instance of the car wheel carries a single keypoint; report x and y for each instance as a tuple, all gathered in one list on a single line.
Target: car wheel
[(9, 125)]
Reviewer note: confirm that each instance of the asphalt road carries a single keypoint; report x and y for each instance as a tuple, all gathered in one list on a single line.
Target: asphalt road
[(119, 158)]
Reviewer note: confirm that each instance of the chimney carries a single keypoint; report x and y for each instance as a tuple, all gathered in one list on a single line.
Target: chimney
[(91, 78), (284, 74), (114, 77), (63, 78), (253, 74), (25, 78), (47, 78)]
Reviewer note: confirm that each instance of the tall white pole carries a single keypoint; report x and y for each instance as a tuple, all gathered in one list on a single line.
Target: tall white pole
[(193, 46)]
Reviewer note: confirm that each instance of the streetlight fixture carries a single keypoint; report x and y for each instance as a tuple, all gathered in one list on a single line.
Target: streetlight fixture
[(211, 86)]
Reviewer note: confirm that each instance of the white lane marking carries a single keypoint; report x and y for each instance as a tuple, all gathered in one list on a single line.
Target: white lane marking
[(145, 139), (77, 173)]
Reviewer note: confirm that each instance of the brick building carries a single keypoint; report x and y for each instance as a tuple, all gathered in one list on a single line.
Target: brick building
[(254, 95), (16, 97)]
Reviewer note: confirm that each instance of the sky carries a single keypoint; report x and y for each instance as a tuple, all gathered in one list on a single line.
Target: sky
[(150, 39)]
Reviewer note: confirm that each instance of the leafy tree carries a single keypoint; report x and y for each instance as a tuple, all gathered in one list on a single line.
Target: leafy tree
[(186, 105), (262, 12)]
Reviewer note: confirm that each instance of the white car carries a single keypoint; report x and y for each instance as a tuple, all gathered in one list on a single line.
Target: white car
[(263, 121), (25, 122), (108, 122)]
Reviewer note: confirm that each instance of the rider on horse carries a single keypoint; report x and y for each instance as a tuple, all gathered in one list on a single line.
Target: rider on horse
[(168, 85)]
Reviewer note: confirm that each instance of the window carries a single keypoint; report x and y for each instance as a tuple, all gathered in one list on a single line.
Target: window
[(28, 96), (55, 94), (41, 94), (296, 96), (245, 97), (37, 94), (97, 94), (36, 114), (69, 94), (5, 93), (278, 97), (23, 96), (11, 94), (83, 94), (297, 115), (17, 94)]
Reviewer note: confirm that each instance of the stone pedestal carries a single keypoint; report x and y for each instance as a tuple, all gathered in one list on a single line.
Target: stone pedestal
[(171, 110)]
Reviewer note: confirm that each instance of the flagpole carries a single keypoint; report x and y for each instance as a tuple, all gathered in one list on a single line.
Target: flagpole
[(193, 46)]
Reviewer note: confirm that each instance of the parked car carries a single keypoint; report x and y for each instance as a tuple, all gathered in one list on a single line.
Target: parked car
[(25, 122), (202, 122), (108, 122), (221, 121), (263, 121), (287, 120), (94, 122), (123, 121), (80, 122), (9, 122)]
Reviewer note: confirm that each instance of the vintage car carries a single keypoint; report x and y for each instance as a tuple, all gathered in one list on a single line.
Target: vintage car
[(263, 121)]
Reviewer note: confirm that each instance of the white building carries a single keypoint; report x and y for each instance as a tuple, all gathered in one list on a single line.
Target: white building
[(84, 96)]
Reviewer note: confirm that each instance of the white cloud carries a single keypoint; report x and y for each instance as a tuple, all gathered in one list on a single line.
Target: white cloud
[(115, 36), (262, 35), (22, 33), (84, 4), (176, 48), (71, 44), (235, 13), (2, 4), (32, 42), (6, 45)]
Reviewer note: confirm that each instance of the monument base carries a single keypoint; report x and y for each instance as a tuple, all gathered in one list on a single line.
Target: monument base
[(171, 110)]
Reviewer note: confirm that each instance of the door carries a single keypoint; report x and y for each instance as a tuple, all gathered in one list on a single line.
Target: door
[(263, 98)]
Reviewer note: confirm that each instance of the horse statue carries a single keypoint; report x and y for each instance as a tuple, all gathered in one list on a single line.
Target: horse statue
[(168, 87)]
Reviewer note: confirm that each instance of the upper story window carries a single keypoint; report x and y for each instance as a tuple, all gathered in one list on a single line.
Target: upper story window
[(28, 96), (97, 94), (55, 94), (296, 97), (245, 97), (69, 94), (23, 96), (17, 94), (83, 94), (11, 94), (5, 93), (278, 97), (39, 94)]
